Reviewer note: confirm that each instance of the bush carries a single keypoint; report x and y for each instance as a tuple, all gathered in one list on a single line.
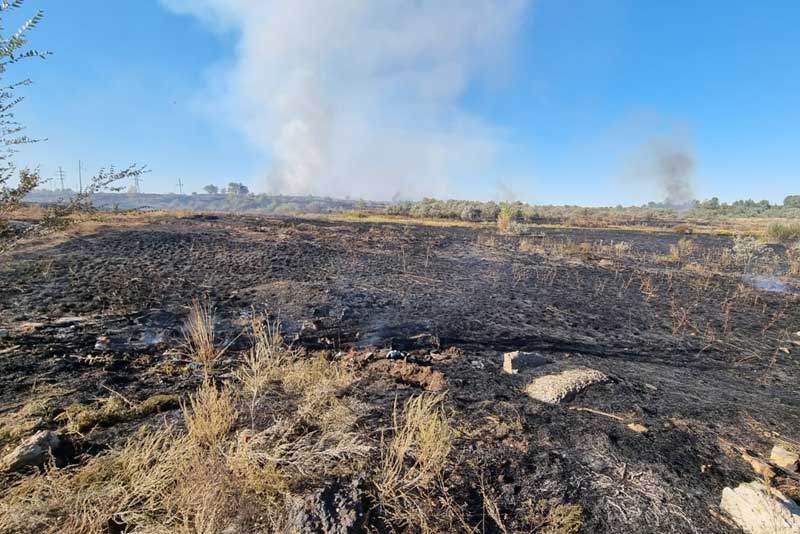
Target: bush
[(784, 232)]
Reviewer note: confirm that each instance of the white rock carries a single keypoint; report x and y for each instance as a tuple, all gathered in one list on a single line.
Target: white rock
[(759, 510), (514, 362), (33, 451), (784, 458), (563, 386)]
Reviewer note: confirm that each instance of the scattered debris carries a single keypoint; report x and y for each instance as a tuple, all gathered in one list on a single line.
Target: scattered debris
[(514, 362), (562, 387), (394, 355), (102, 343), (477, 364), (636, 427), (760, 510), (34, 451), (785, 459), (418, 375), (69, 320)]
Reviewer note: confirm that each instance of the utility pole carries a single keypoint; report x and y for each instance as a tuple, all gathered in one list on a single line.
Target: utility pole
[(136, 186), (80, 177), (180, 186), (61, 176)]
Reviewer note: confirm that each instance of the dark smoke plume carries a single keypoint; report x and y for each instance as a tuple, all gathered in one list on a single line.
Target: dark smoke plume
[(669, 163)]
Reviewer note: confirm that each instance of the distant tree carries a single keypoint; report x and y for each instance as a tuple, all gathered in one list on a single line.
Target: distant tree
[(237, 189), (712, 203), (792, 201), (211, 189)]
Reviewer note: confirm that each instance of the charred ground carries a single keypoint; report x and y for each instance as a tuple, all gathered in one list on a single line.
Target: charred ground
[(703, 360)]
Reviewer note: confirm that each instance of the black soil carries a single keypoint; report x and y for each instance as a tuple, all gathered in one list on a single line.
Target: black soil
[(705, 362)]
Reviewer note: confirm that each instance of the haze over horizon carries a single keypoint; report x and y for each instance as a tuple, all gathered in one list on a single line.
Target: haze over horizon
[(592, 102)]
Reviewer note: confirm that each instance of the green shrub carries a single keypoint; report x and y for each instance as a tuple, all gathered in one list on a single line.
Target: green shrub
[(785, 232)]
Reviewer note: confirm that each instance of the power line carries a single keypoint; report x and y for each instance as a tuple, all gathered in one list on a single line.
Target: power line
[(136, 184), (61, 176)]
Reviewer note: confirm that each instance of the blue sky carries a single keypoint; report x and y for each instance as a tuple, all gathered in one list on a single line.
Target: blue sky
[(579, 89)]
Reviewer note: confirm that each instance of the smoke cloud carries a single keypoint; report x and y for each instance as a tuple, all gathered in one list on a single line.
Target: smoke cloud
[(362, 97), (668, 161)]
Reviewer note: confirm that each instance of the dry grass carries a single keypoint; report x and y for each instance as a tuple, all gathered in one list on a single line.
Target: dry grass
[(212, 476), (30, 415), (413, 461), (544, 518), (793, 259), (198, 333), (367, 217), (564, 248), (682, 250), (262, 363), (210, 415), (504, 220)]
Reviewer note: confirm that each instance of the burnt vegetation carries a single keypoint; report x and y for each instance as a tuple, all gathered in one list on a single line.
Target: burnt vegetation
[(172, 371)]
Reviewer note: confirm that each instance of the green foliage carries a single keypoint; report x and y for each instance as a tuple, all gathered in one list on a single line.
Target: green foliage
[(13, 49), (237, 189), (792, 201), (211, 189), (785, 232)]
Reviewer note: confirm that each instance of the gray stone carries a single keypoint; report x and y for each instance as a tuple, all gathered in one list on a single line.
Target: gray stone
[(784, 458), (760, 510), (339, 508), (514, 362), (562, 387), (32, 452)]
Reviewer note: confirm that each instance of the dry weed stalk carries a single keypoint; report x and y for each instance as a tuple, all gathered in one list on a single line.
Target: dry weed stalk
[(199, 336), (412, 462), (263, 361)]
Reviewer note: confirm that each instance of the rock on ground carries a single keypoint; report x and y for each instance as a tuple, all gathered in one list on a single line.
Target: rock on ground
[(563, 386), (759, 510), (340, 508), (784, 458), (33, 451), (514, 362)]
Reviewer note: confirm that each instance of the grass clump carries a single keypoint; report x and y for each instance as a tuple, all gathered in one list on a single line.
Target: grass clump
[(544, 518), (784, 232), (682, 250), (80, 418), (409, 479), (793, 259), (210, 415), (106, 412), (199, 336)]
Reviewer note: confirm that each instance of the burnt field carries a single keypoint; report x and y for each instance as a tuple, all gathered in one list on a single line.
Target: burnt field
[(697, 340)]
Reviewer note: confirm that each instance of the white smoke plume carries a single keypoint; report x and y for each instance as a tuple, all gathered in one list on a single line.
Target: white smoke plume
[(362, 97)]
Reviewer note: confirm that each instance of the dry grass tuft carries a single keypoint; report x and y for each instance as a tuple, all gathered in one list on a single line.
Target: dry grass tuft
[(122, 487), (30, 416), (199, 335), (413, 461), (682, 250), (793, 259), (544, 518), (263, 363), (80, 418), (211, 415)]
